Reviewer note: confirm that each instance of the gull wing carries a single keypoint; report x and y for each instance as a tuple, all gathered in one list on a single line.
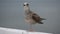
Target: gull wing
[(36, 17)]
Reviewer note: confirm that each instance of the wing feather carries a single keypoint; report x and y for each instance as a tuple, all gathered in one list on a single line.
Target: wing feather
[(36, 17)]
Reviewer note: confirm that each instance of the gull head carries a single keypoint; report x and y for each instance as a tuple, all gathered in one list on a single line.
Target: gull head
[(25, 4)]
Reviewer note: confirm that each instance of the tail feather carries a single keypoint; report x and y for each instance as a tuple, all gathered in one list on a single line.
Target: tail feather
[(40, 23), (42, 18)]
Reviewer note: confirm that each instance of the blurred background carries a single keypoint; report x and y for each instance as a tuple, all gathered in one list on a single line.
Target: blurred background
[(12, 14)]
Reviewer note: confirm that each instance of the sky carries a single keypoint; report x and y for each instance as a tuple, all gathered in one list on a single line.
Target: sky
[(12, 14)]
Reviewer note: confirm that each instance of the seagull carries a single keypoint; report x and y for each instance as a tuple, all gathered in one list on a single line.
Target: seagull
[(31, 17)]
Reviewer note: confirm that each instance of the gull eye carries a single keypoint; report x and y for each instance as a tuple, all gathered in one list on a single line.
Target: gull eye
[(27, 4), (24, 5)]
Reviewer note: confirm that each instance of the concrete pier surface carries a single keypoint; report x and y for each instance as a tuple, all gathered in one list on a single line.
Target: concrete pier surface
[(18, 31)]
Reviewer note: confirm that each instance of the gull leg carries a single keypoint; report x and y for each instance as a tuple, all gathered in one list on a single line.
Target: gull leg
[(31, 29)]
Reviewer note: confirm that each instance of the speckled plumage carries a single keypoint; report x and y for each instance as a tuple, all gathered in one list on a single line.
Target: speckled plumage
[(31, 17)]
